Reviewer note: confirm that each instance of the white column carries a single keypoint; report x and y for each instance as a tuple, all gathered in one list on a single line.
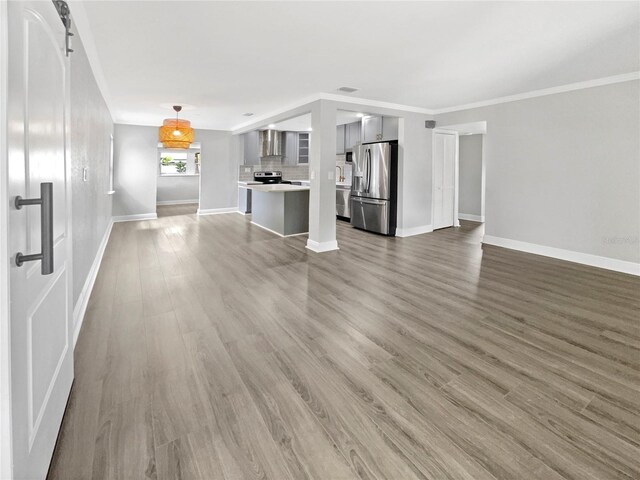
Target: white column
[(322, 171)]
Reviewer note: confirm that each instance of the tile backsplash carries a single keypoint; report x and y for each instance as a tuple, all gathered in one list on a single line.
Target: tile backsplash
[(289, 172), (341, 161)]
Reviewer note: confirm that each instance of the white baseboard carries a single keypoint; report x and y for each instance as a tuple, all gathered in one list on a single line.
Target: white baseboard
[(471, 217), (273, 231), (177, 202), (320, 247), (134, 218), (216, 211), (83, 300), (411, 231), (568, 255)]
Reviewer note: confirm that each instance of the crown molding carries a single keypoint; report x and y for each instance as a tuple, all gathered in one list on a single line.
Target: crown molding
[(544, 92), (80, 19), (255, 123)]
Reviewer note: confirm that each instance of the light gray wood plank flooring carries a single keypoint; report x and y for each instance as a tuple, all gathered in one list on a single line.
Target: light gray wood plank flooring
[(212, 349)]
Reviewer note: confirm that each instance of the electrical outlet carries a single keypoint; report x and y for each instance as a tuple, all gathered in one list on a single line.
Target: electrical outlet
[(247, 170), (85, 174), (330, 176), (313, 175)]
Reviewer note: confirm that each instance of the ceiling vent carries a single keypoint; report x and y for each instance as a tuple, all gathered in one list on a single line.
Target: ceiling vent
[(347, 89)]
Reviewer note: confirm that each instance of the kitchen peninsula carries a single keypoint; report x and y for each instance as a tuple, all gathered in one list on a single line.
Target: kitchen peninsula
[(280, 208)]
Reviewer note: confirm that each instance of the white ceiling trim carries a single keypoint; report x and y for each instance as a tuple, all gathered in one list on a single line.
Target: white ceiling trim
[(472, 128), (625, 77), (260, 120), (356, 101), (81, 22), (407, 108), (375, 103)]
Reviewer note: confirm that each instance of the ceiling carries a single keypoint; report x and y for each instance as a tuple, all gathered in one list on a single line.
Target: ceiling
[(224, 59), (302, 123)]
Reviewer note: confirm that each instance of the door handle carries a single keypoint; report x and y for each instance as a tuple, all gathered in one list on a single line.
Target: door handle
[(46, 228), (368, 170)]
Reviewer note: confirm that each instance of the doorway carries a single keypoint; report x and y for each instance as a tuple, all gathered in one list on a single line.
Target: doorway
[(469, 172), (178, 179), (445, 179), (471, 177)]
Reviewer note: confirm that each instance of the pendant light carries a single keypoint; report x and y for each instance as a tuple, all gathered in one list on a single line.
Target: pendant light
[(176, 133)]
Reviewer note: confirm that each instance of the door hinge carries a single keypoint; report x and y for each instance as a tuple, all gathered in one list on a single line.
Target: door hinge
[(65, 17)]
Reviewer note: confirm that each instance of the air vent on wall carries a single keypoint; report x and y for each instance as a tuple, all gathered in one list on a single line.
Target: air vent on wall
[(347, 89)]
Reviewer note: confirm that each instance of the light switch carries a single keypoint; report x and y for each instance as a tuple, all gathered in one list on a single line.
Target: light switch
[(313, 175), (85, 174)]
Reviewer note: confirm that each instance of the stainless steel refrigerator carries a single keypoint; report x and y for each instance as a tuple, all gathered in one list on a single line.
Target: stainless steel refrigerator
[(374, 187)]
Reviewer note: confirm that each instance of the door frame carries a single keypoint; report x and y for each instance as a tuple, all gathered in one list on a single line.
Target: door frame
[(6, 467), (456, 173)]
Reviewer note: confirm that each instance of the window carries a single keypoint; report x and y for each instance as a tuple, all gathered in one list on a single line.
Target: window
[(178, 162)]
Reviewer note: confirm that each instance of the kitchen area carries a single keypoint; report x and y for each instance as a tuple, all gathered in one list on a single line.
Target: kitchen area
[(274, 179)]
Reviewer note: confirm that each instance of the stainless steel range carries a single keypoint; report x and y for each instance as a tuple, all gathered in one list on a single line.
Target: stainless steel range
[(269, 177)]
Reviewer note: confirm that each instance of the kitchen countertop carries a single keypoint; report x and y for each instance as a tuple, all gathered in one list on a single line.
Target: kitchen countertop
[(338, 184), (278, 187), (248, 182)]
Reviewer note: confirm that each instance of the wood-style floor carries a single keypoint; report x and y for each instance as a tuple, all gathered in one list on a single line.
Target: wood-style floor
[(212, 349)]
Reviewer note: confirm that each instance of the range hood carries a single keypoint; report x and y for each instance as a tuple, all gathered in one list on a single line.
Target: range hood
[(271, 143)]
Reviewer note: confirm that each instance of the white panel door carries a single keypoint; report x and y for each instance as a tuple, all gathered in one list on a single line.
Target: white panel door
[(41, 311), (444, 180)]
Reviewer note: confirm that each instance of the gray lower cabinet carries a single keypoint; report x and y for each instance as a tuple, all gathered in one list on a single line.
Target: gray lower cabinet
[(342, 201), (244, 200)]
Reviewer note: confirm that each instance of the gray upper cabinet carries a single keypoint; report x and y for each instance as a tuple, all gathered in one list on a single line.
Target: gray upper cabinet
[(340, 139), (378, 129), (304, 143), (371, 129), (251, 153), (389, 128), (290, 148), (352, 135)]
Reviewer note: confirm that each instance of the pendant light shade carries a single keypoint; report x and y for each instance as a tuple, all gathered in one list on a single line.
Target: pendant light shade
[(176, 133)]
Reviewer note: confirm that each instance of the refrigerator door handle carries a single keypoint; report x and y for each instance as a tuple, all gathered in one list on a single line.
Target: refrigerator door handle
[(368, 170), (370, 201)]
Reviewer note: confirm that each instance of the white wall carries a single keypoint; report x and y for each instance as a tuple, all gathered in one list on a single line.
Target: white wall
[(563, 170), (178, 189), (136, 170), (91, 128), (470, 183), (218, 169)]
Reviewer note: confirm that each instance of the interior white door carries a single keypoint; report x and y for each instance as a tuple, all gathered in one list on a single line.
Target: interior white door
[(41, 305), (444, 180)]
